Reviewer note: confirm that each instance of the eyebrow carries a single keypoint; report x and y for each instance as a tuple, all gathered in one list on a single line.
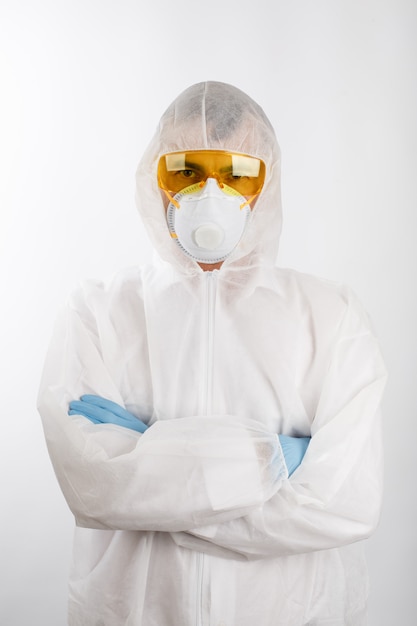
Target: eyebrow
[(190, 165), (200, 167)]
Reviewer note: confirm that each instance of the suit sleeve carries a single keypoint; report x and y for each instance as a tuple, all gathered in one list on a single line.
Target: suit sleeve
[(334, 497)]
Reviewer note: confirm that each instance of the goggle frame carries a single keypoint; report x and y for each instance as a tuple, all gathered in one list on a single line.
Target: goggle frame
[(241, 172)]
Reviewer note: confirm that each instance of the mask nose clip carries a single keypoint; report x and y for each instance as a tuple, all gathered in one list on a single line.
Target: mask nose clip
[(212, 176)]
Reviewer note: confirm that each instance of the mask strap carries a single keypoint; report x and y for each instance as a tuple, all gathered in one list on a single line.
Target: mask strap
[(171, 199), (242, 206)]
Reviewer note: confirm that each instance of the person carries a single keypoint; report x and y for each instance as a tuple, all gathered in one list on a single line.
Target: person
[(213, 419)]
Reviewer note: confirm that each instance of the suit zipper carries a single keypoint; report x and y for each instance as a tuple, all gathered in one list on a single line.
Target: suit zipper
[(206, 400)]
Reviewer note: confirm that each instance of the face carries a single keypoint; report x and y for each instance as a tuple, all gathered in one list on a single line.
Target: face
[(187, 172)]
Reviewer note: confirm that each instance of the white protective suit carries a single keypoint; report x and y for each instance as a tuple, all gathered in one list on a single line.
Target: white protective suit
[(195, 522)]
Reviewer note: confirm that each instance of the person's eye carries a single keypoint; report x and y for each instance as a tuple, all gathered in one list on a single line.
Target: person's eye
[(234, 177), (187, 173)]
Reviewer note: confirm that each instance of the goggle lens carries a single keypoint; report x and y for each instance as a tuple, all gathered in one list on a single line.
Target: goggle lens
[(241, 172)]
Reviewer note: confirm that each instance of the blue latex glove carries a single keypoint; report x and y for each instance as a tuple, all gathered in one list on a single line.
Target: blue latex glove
[(294, 449), (101, 411)]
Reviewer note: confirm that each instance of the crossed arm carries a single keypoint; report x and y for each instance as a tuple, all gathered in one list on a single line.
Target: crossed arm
[(102, 411)]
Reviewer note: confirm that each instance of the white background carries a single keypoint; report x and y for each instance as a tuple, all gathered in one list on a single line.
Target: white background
[(83, 84)]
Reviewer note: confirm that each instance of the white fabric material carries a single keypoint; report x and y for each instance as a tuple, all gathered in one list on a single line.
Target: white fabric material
[(195, 522), (208, 224)]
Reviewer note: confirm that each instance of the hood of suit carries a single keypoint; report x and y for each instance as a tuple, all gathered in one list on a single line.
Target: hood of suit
[(214, 116)]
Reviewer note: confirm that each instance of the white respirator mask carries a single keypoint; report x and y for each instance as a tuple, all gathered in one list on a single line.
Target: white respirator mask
[(208, 222)]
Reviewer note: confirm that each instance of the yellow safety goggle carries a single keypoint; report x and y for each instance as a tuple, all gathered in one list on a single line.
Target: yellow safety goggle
[(180, 170)]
